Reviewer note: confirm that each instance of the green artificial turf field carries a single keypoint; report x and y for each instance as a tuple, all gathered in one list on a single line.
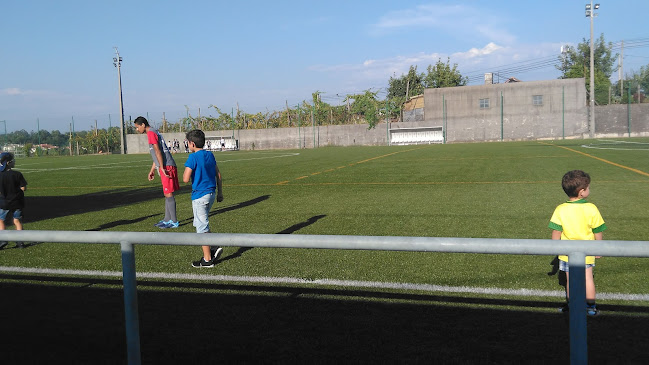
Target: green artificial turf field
[(490, 190)]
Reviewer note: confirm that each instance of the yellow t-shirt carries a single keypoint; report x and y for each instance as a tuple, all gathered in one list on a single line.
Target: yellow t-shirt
[(577, 220)]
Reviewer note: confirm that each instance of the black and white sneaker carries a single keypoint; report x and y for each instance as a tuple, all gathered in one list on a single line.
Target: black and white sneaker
[(203, 263), (216, 253), (3, 244)]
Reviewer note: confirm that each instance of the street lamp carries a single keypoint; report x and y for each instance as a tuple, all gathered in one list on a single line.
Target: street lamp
[(590, 13), (117, 62)]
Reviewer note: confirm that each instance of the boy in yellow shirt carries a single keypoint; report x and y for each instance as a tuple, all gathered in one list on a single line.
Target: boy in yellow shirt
[(578, 219)]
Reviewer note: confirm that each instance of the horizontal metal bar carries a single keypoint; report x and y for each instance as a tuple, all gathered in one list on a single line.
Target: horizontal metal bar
[(386, 243)]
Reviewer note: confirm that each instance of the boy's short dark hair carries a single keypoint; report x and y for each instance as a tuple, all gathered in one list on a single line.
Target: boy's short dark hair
[(141, 120), (5, 159), (197, 136), (574, 181)]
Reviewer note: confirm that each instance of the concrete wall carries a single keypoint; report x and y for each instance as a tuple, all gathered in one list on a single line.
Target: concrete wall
[(620, 120), (289, 138), (511, 114), (563, 113)]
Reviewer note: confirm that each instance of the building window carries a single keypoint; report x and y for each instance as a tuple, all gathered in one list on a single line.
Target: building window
[(537, 99), (484, 103)]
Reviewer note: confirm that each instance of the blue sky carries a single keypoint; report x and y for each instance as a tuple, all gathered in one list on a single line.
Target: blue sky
[(56, 56)]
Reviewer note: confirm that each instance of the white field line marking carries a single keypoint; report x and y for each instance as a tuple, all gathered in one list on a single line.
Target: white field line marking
[(138, 164), (326, 282), (88, 167), (258, 158), (605, 142)]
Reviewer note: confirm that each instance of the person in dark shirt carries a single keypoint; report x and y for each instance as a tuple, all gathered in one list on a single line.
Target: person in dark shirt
[(12, 194)]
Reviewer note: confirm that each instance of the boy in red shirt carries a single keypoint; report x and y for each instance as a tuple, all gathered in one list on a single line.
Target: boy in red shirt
[(166, 167)]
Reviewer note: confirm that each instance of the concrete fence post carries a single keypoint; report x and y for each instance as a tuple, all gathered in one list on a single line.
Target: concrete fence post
[(130, 304), (577, 306)]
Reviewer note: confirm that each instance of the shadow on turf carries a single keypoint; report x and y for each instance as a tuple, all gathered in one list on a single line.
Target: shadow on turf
[(289, 230), (24, 246), (39, 208), (244, 204), (270, 324), (121, 222), (323, 292)]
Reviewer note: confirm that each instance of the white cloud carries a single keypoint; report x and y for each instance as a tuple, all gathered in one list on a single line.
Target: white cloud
[(12, 91), (474, 52), (490, 58), (457, 21)]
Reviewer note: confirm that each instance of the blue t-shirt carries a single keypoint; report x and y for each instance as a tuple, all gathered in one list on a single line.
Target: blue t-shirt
[(203, 167)]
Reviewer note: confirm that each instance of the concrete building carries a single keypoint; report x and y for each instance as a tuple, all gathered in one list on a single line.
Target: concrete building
[(509, 111)]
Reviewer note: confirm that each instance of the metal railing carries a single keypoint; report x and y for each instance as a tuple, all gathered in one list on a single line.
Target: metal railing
[(576, 251)]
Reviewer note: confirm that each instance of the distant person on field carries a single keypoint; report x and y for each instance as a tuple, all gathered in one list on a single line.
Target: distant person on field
[(222, 143), (578, 219), (202, 170), (166, 167), (12, 194)]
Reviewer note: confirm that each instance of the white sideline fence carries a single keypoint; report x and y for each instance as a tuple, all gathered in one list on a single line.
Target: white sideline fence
[(576, 251)]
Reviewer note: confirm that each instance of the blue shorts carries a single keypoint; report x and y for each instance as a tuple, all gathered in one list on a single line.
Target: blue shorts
[(18, 213), (563, 266), (201, 208)]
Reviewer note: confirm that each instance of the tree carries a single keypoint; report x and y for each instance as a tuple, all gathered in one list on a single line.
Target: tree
[(643, 78), (631, 83), (406, 85), (443, 75), (366, 106), (575, 63)]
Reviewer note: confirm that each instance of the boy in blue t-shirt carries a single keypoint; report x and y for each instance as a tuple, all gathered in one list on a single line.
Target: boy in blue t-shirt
[(201, 168)]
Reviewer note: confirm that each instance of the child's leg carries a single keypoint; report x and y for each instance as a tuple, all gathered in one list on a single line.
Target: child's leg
[(207, 254), (590, 285), (3, 216), (17, 223), (170, 208), (201, 209)]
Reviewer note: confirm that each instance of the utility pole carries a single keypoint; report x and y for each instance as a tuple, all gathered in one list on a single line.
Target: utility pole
[(288, 115), (72, 136), (590, 13), (117, 62), (407, 88), (622, 71)]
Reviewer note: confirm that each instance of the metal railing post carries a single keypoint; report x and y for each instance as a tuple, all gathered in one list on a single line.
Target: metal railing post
[(577, 304), (130, 304)]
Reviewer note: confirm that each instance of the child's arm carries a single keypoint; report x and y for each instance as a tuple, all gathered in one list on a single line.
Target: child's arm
[(556, 235), (158, 155), (598, 237), (151, 174), (219, 186), (187, 175)]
